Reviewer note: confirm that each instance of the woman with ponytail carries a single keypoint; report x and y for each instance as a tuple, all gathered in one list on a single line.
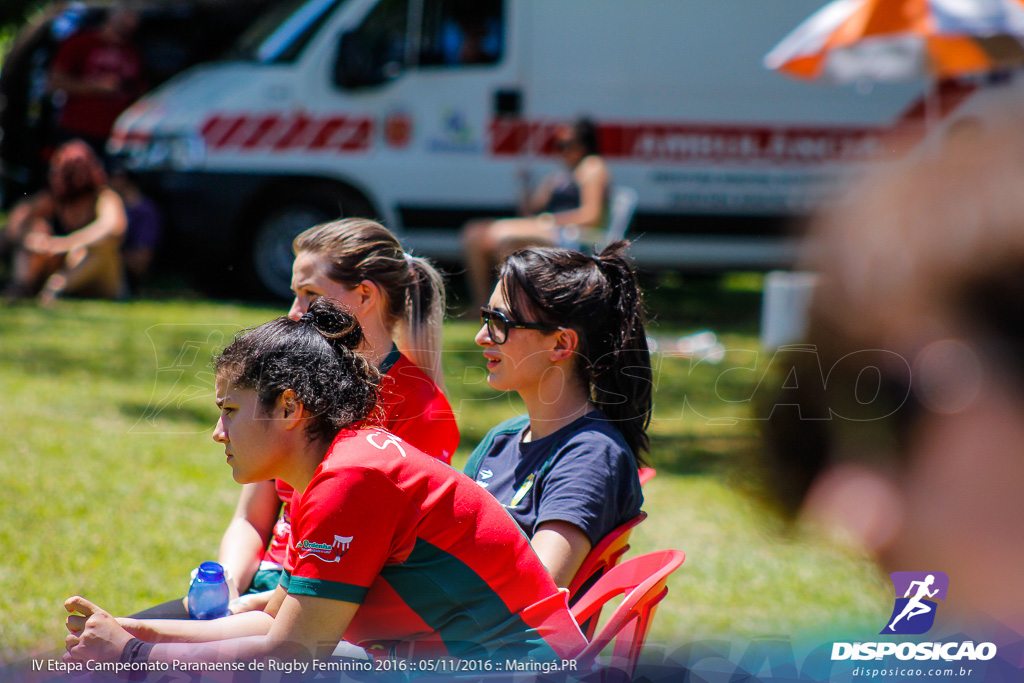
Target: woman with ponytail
[(393, 296), (565, 331), (390, 549)]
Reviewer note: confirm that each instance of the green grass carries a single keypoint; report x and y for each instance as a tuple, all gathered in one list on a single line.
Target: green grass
[(113, 488)]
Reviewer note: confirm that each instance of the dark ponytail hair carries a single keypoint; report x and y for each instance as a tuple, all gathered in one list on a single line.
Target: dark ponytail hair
[(315, 357), (585, 132), (599, 298)]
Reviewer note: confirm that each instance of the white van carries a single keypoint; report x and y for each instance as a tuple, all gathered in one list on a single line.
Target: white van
[(426, 113)]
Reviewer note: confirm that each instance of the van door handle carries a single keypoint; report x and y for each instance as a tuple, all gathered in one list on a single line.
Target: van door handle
[(508, 102)]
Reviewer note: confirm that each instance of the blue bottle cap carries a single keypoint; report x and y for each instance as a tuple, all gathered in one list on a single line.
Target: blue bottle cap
[(211, 572)]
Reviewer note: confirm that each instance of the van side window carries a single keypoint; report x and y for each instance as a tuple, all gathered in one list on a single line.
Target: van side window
[(461, 32), (374, 53)]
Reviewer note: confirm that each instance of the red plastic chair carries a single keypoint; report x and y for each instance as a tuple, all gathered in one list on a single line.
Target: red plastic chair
[(642, 580), (646, 474), (602, 557)]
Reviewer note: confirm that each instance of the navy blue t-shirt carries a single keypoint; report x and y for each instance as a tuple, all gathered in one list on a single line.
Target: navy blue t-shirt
[(584, 474)]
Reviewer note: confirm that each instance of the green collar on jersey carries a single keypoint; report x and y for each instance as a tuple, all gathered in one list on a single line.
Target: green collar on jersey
[(390, 359)]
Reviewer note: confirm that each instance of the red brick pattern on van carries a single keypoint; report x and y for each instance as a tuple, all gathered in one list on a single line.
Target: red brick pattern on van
[(287, 133)]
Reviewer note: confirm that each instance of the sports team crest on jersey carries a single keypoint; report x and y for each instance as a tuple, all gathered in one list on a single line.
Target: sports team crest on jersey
[(916, 592), (328, 552)]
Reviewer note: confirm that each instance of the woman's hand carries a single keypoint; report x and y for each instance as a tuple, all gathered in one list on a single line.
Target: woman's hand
[(42, 244), (95, 634)]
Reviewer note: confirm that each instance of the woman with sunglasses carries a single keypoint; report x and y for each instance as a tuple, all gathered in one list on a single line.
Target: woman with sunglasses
[(393, 295), (390, 548), (566, 332), (568, 208)]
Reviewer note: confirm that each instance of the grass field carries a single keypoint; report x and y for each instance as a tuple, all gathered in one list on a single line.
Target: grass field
[(113, 489)]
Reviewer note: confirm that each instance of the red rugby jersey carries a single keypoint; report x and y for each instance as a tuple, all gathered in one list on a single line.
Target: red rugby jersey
[(411, 406), (434, 560)]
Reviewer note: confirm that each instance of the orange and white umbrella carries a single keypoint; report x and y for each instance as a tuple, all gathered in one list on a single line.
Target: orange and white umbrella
[(899, 40)]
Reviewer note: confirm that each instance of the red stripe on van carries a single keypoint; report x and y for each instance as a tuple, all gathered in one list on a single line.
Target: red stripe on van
[(343, 134), (359, 137), (685, 143), (221, 132), (287, 133), (517, 136), (672, 142), (508, 136), (208, 127), (258, 137), (327, 130), (290, 138)]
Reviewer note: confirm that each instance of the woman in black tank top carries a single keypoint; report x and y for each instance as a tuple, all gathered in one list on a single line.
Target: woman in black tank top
[(569, 207)]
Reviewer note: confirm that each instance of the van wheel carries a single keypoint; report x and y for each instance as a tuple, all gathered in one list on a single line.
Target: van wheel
[(272, 246), (294, 212)]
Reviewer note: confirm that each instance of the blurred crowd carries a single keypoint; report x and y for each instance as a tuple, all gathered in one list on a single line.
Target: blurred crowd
[(90, 231)]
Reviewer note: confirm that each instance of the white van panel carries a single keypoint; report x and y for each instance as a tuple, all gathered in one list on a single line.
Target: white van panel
[(685, 60)]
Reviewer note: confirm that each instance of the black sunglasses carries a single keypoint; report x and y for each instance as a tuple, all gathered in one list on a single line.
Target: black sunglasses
[(498, 325)]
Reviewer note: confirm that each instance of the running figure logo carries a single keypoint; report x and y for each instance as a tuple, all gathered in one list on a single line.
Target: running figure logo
[(914, 613)]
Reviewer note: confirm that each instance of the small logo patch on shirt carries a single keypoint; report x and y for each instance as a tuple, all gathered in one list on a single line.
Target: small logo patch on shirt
[(328, 552), (484, 474), (389, 440)]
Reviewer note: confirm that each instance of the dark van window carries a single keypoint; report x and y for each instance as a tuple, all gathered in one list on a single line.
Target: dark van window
[(461, 32), (380, 40)]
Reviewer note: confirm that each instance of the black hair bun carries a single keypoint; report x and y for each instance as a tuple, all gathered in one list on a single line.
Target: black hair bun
[(614, 249), (334, 323)]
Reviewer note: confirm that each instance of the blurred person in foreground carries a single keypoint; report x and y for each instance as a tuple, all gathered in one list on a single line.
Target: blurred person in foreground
[(905, 427), (67, 238)]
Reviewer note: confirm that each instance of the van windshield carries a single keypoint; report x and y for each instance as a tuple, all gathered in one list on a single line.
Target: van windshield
[(280, 35)]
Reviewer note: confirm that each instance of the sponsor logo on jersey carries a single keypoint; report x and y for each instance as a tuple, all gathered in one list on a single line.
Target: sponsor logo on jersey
[(328, 552)]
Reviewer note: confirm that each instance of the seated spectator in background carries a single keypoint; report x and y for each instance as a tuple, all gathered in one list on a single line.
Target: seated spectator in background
[(572, 205), (921, 299), (67, 239), (98, 73), (565, 331), (145, 226), (389, 546)]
